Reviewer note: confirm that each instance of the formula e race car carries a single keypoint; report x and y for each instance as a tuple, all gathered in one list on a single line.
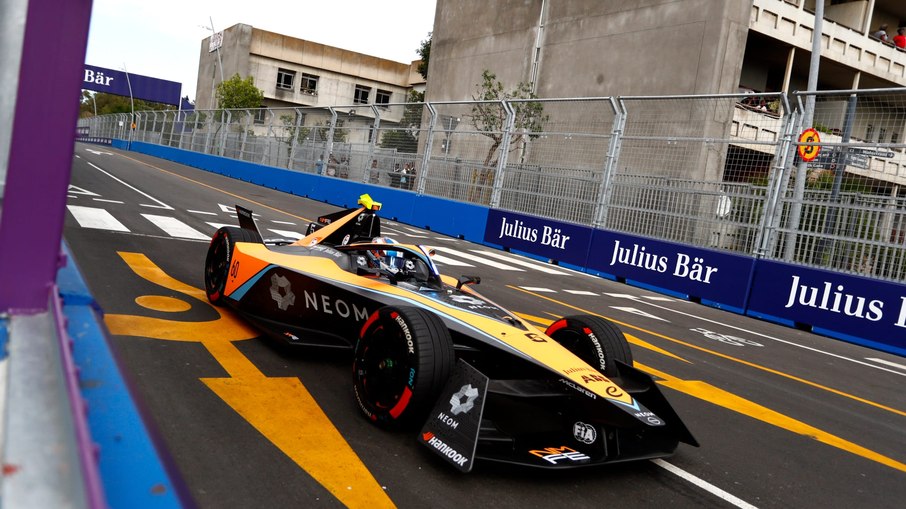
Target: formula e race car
[(430, 351)]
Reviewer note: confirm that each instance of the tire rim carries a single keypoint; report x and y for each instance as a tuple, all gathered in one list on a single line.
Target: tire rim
[(215, 273), (383, 367)]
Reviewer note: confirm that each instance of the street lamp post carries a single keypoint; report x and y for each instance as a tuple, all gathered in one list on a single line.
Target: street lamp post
[(131, 106), (219, 61)]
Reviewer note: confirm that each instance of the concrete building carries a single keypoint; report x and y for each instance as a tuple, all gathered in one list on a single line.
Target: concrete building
[(589, 48), (294, 72), (597, 48)]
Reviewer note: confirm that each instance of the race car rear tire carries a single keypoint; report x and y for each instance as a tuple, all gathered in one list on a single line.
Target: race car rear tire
[(220, 255), (593, 339), (403, 358)]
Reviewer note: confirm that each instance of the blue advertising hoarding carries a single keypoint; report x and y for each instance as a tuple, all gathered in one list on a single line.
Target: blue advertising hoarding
[(855, 308), (714, 277), (111, 81), (547, 238)]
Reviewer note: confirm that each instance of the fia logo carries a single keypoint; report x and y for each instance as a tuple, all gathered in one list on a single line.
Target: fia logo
[(585, 433)]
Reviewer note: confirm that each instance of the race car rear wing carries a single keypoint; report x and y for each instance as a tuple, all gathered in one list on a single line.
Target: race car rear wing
[(247, 220), (347, 226)]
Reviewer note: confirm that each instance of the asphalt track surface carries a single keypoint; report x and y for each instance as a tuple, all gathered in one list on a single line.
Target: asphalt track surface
[(785, 418)]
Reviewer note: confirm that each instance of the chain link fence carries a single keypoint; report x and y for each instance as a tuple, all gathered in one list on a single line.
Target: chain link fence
[(746, 173)]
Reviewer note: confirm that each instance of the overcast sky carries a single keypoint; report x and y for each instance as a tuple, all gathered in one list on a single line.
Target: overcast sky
[(161, 38)]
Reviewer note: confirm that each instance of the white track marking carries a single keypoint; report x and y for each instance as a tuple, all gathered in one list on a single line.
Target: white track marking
[(202, 212), (639, 312), (660, 299), (701, 483), (581, 292), (283, 222), (218, 226), (175, 228), (765, 336), (78, 190), (107, 201), (286, 233), (537, 289), (485, 261), (523, 263), (161, 205), (449, 261), (100, 219), (882, 361)]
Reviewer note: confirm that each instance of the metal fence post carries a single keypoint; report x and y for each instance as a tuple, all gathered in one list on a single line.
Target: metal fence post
[(375, 130), (426, 156), (333, 125), (504, 153), (766, 237), (224, 132), (613, 156)]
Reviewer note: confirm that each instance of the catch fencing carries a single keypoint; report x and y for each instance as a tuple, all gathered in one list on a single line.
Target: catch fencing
[(812, 179)]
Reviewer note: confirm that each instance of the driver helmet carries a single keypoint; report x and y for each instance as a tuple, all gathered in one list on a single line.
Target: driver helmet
[(390, 259)]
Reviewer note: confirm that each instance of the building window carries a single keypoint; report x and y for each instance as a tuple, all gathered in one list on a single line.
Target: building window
[(260, 114), (882, 133), (869, 132), (382, 97), (894, 137), (309, 84), (361, 94), (285, 79)]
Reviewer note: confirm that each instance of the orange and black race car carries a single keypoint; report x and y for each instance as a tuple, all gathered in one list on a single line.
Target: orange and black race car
[(430, 350)]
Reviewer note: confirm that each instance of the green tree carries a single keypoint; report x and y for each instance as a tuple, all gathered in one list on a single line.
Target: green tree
[(300, 133), (488, 118), (239, 93), (424, 53), (109, 104), (405, 139)]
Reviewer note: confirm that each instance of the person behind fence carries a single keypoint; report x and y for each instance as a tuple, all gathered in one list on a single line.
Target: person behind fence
[(404, 180), (410, 176), (395, 175), (374, 176), (881, 33), (332, 166), (319, 166), (899, 40)]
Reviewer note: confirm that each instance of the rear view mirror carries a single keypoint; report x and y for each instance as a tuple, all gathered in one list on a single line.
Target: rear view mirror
[(467, 280)]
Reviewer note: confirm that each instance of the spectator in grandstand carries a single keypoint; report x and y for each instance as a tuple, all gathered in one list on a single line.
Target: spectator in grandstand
[(899, 40), (881, 33), (319, 166)]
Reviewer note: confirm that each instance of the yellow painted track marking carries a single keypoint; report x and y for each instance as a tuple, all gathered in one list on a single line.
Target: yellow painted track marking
[(280, 408), (707, 392), (162, 303), (720, 397)]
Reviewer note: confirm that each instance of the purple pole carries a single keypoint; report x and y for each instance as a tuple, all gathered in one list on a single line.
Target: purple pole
[(40, 154)]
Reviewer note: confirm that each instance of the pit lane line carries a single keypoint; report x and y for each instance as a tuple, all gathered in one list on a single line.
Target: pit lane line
[(759, 334)]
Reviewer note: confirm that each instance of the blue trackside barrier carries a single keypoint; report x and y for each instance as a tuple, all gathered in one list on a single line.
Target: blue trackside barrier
[(133, 471), (851, 308)]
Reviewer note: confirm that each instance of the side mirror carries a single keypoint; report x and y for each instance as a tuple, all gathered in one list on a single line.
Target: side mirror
[(467, 280)]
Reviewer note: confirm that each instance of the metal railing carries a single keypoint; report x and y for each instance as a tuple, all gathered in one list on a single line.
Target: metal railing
[(717, 171)]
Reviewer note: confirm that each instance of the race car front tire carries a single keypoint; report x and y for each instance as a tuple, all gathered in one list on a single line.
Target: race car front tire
[(403, 358), (220, 254), (593, 339)]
